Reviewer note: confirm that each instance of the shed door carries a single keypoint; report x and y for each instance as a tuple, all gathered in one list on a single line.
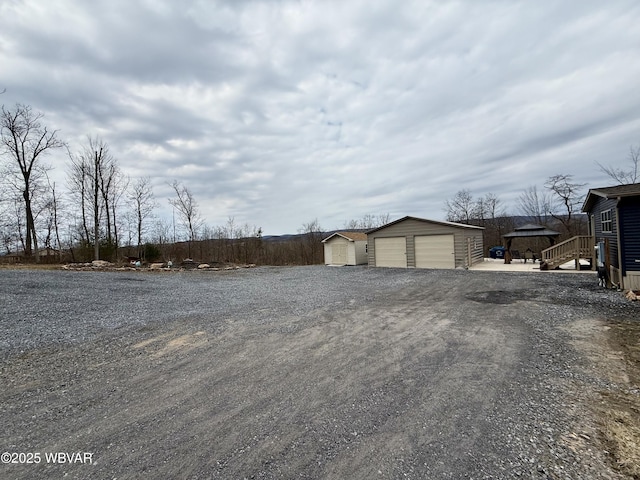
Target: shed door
[(391, 252), (435, 251), (339, 253)]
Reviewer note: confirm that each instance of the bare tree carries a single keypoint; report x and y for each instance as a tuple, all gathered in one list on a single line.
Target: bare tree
[(621, 176), (53, 207), (143, 203), (311, 242), (382, 219), (187, 208), (567, 198), (26, 141), (461, 208), (367, 222), (119, 187), (11, 221), (490, 214), (95, 178), (18, 213), (493, 206), (113, 184), (77, 180), (161, 232), (535, 204)]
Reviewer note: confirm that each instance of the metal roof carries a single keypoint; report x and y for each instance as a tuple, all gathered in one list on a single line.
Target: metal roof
[(531, 230), (618, 191), (439, 222)]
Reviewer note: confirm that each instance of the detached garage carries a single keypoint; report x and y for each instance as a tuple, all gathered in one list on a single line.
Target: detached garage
[(345, 248), (412, 242)]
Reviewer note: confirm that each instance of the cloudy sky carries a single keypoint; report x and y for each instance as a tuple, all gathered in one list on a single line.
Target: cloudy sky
[(279, 112)]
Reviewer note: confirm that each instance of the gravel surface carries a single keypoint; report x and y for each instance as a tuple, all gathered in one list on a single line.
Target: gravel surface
[(307, 372)]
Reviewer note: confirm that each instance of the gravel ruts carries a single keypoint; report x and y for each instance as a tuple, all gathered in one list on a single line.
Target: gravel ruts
[(304, 372)]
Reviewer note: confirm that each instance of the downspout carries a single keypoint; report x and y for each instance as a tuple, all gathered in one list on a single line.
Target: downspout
[(620, 264)]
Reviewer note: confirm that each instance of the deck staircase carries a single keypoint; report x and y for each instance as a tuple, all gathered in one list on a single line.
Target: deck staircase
[(576, 248)]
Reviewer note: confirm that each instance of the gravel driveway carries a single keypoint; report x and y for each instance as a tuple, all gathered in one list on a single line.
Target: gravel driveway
[(308, 372)]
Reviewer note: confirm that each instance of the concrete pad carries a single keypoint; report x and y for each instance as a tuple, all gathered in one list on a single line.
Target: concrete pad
[(498, 265)]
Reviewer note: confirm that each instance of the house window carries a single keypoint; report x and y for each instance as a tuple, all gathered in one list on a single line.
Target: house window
[(605, 221)]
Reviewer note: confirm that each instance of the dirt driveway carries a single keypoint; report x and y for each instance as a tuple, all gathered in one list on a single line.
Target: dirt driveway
[(317, 372)]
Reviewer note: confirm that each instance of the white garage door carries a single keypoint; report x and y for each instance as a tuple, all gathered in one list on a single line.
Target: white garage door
[(391, 252), (435, 251), (339, 253)]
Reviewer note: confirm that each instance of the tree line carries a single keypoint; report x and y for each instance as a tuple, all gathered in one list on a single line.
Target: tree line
[(104, 214), (101, 213), (90, 218), (556, 204)]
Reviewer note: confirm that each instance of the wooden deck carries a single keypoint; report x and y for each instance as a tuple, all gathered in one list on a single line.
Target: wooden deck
[(576, 248)]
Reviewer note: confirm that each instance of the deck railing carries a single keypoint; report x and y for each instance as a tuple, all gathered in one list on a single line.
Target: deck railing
[(577, 247)]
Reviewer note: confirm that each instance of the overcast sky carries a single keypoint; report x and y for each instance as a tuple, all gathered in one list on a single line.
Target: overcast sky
[(279, 112)]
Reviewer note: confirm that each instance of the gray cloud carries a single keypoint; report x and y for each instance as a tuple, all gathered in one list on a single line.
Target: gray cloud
[(278, 112)]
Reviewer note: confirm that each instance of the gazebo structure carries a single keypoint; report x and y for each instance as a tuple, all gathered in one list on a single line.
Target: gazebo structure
[(527, 231)]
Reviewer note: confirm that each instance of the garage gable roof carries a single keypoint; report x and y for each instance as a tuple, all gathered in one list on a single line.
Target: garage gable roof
[(351, 236), (437, 222)]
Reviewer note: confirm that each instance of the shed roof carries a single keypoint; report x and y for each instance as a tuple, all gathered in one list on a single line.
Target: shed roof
[(351, 236), (439, 222), (618, 191)]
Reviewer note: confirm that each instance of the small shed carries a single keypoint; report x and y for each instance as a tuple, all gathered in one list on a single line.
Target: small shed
[(614, 221), (412, 242), (345, 248)]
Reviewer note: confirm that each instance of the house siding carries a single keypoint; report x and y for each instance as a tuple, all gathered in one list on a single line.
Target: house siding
[(612, 237), (630, 234), (410, 228), (624, 241)]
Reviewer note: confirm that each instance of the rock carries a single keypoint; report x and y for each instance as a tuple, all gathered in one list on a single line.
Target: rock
[(204, 265), (100, 263), (156, 266), (188, 263)]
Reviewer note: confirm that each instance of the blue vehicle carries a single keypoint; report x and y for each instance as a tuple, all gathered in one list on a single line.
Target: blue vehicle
[(496, 252)]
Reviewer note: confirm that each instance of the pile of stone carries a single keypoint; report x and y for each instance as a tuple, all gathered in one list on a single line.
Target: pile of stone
[(188, 264), (95, 265), (206, 266), (632, 295)]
